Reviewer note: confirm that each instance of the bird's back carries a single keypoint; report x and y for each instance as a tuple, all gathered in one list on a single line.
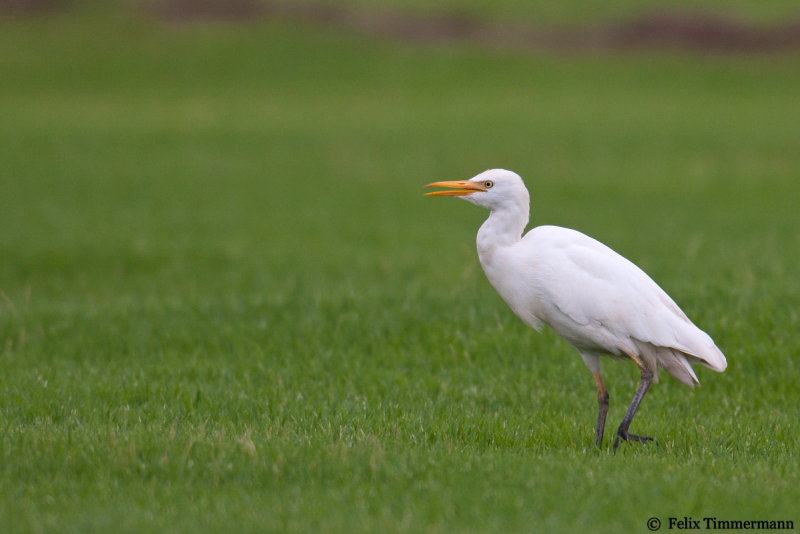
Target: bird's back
[(598, 301)]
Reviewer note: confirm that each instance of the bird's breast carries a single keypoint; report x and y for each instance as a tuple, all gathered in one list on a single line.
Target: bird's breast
[(514, 277)]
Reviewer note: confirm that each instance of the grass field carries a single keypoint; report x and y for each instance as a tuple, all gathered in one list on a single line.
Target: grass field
[(227, 307)]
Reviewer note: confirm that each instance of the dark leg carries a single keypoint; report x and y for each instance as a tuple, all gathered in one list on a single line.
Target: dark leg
[(644, 384), (602, 405)]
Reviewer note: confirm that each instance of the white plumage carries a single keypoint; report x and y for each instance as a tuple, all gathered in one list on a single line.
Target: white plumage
[(597, 300)]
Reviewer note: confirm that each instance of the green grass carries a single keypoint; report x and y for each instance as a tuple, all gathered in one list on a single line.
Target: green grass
[(227, 307)]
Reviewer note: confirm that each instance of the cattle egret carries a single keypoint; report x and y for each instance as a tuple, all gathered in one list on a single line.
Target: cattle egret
[(598, 301)]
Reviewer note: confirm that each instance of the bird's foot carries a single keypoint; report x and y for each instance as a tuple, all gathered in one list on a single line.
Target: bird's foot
[(630, 437)]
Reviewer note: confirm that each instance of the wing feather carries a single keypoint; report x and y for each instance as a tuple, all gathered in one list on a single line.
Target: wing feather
[(599, 300)]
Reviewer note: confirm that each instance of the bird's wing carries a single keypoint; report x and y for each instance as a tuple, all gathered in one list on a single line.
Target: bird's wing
[(608, 297)]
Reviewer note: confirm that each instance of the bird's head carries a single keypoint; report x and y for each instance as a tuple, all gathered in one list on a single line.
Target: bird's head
[(493, 189)]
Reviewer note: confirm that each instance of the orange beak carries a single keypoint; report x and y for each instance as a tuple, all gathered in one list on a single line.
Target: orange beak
[(461, 188)]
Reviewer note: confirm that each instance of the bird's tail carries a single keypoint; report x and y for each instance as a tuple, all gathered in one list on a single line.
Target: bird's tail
[(677, 361)]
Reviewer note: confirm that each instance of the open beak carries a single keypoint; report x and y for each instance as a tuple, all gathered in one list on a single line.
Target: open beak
[(460, 188)]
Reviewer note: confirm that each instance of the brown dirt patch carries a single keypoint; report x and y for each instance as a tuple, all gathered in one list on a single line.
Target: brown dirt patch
[(28, 6), (180, 11), (687, 31)]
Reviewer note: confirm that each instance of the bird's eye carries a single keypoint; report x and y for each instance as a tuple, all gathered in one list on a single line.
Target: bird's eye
[(488, 184)]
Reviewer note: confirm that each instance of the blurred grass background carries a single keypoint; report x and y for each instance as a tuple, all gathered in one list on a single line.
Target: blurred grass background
[(225, 303)]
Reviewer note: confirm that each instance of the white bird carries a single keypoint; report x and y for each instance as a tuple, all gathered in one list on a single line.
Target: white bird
[(597, 300)]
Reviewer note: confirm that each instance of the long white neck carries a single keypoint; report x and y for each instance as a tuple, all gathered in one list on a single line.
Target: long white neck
[(503, 228)]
